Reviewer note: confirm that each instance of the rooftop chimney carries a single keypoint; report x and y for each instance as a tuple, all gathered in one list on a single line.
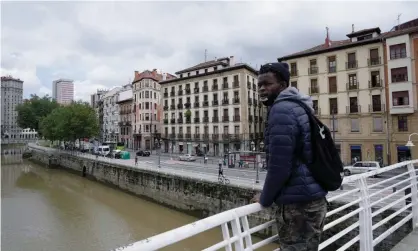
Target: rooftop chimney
[(327, 40), (231, 61), (352, 28)]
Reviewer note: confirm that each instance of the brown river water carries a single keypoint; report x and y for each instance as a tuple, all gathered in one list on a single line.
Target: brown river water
[(53, 210)]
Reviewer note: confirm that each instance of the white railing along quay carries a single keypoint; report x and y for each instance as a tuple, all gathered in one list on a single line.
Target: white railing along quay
[(370, 200)]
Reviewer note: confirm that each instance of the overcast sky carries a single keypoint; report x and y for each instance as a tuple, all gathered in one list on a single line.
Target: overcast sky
[(101, 44)]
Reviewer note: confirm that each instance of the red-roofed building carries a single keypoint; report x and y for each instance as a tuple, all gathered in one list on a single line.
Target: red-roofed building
[(147, 110)]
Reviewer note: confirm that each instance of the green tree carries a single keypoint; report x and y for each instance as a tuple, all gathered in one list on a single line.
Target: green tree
[(71, 122), (32, 111), (188, 113)]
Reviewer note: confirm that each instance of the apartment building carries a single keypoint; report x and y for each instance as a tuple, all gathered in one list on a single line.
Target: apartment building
[(63, 91), (346, 82), (124, 101), (110, 127), (11, 96), (401, 52), (147, 111), (212, 108)]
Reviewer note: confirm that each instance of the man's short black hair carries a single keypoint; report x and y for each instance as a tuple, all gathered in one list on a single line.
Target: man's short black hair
[(280, 71)]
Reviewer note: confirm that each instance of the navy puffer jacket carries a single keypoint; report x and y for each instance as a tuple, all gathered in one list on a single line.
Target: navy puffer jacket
[(287, 132)]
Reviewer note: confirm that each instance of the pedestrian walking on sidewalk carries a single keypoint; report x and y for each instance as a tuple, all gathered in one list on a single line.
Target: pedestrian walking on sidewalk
[(136, 160)]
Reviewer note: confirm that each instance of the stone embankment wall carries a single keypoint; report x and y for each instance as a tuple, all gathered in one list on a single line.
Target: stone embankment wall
[(199, 197)]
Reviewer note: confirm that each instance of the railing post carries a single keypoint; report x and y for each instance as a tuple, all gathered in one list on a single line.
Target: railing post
[(365, 217), (414, 194)]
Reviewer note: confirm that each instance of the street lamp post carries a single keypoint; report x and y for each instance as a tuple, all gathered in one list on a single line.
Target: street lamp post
[(257, 178), (409, 143), (157, 143)]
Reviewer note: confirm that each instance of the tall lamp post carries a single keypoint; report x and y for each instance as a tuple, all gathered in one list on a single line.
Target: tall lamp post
[(410, 144), (257, 178), (157, 143)]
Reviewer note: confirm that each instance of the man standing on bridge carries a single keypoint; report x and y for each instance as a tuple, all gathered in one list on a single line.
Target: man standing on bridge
[(289, 183)]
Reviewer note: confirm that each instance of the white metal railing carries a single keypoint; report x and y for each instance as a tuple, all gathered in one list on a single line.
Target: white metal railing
[(383, 194)]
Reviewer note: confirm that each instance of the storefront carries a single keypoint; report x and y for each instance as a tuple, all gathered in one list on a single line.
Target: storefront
[(403, 153), (355, 153)]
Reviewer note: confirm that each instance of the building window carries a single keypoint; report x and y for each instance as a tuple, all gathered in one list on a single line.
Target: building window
[(351, 61), (315, 106), (402, 123), (352, 82), (354, 108), (399, 74), (332, 84), (333, 125), (314, 86), (376, 103), (294, 84), (375, 79), (293, 69), (332, 64), (377, 124), (374, 57), (313, 67), (333, 106), (400, 98), (355, 127), (398, 51)]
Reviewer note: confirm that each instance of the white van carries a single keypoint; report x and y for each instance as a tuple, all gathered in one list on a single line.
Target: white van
[(103, 150)]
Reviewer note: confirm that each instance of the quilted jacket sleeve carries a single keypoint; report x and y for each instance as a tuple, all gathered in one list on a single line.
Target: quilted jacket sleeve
[(283, 130)]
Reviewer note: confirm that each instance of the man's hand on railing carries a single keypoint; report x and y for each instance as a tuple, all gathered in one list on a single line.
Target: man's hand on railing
[(256, 198)]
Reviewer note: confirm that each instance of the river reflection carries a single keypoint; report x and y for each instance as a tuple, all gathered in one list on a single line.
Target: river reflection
[(45, 209)]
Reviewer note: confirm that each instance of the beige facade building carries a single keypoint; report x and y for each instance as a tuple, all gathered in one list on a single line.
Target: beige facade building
[(212, 108), (348, 81), (401, 47)]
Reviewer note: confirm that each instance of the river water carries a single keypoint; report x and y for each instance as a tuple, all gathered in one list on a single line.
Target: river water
[(46, 209)]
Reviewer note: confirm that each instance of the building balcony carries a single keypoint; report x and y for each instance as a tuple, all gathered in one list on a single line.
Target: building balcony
[(205, 88), (226, 136), (172, 121), (196, 136), (374, 61), (172, 136), (248, 85), (165, 121), (180, 135), (188, 91), (352, 86), (205, 119), (377, 108), (317, 111), (313, 90), (313, 70), (376, 84), (214, 87), (215, 102), (188, 136), (254, 87), (225, 102), (235, 84), (255, 119), (215, 119), (206, 136), (165, 108), (172, 107), (225, 85), (237, 118), (196, 120), (196, 104), (236, 100), (205, 103), (196, 90), (332, 69), (215, 136), (180, 92), (250, 118), (180, 106), (353, 109), (180, 120), (188, 120), (165, 94), (351, 65), (250, 101), (187, 105), (172, 94), (225, 118)]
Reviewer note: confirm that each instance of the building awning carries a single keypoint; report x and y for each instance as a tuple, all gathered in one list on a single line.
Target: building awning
[(402, 148), (355, 147)]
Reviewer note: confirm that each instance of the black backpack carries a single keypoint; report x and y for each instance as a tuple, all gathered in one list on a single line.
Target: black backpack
[(326, 166)]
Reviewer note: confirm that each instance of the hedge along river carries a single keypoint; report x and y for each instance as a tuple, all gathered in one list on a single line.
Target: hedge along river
[(51, 209)]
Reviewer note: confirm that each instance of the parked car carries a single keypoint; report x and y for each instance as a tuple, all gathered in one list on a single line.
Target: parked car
[(361, 167), (143, 153), (187, 157)]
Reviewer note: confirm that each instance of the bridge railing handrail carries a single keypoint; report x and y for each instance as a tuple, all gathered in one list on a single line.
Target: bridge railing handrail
[(237, 218)]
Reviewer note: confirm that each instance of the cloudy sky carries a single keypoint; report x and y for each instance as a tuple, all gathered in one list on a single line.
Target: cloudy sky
[(101, 44)]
